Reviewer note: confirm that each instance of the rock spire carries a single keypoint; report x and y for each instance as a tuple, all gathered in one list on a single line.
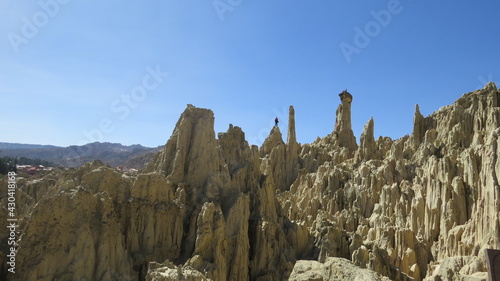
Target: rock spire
[(292, 150), (291, 138), (367, 147), (418, 128), (343, 129)]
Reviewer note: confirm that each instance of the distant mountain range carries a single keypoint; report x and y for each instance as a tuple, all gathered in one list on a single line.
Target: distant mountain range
[(113, 154), (13, 146)]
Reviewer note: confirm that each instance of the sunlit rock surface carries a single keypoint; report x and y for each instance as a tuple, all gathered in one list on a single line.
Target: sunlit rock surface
[(420, 207)]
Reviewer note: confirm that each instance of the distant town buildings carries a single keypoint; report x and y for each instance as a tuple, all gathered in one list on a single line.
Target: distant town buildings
[(32, 169), (125, 170)]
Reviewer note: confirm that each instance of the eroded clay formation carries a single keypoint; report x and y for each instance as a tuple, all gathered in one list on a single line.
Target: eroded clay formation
[(420, 207)]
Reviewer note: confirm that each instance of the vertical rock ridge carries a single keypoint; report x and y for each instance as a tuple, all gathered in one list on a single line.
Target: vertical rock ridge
[(418, 128), (292, 150), (367, 147), (342, 129), (291, 138), (272, 141), (193, 140)]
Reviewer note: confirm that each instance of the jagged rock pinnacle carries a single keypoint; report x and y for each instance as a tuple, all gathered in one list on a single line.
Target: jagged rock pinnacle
[(193, 141), (491, 86), (291, 138), (292, 150), (343, 122), (418, 127), (343, 128), (367, 146), (273, 140)]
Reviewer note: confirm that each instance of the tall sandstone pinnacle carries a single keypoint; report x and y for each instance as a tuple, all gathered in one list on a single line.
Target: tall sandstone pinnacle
[(418, 128), (292, 150), (343, 129), (422, 207), (291, 136), (367, 148)]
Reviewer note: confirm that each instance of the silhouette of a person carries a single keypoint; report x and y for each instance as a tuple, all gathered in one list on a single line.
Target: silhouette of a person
[(276, 121)]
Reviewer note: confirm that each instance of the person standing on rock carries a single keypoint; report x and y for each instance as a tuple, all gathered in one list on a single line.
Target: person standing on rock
[(276, 121)]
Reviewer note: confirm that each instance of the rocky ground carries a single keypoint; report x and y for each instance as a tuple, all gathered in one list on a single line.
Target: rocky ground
[(422, 207)]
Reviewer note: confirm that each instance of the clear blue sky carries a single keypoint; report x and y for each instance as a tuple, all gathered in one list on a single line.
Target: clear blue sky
[(66, 65)]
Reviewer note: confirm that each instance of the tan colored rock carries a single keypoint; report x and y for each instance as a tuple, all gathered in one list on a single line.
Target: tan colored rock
[(169, 272), (343, 129), (418, 128), (237, 227), (333, 269), (291, 138), (274, 140), (419, 207), (367, 149), (86, 242), (190, 155), (210, 243), (292, 151), (468, 268)]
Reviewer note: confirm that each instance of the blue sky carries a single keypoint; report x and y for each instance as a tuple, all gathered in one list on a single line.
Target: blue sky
[(68, 66)]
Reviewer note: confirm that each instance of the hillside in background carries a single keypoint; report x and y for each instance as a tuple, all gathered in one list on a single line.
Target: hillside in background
[(113, 154), (12, 146)]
